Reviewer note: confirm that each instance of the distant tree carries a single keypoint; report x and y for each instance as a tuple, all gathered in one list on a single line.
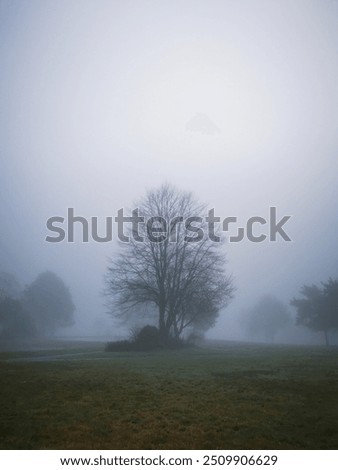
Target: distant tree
[(14, 322), (9, 286), (318, 309), (49, 303), (267, 318), (184, 280)]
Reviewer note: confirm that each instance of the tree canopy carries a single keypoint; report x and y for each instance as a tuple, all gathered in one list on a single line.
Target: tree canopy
[(318, 307)]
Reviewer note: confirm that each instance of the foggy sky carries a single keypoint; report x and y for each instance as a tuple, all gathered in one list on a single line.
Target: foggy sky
[(95, 97)]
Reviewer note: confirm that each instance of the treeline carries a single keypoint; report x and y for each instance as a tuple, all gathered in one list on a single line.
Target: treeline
[(316, 309)]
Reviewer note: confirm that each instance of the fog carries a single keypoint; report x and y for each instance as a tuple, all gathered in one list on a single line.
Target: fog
[(234, 101)]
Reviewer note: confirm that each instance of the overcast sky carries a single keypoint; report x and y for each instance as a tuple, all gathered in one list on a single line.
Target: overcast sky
[(236, 101)]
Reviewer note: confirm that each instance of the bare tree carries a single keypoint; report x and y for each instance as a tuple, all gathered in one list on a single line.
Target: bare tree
[(170, 265)]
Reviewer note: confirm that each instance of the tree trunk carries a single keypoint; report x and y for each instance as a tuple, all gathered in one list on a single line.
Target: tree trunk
[(326, 337), (176, 332), (161, 323), (163, 326)]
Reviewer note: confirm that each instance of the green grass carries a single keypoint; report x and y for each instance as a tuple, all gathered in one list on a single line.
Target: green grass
[(234, 396)]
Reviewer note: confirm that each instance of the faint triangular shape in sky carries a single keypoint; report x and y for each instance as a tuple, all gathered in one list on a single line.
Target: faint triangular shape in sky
[(202, 124)]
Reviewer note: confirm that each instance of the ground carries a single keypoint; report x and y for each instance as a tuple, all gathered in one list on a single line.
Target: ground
[(217, 396)]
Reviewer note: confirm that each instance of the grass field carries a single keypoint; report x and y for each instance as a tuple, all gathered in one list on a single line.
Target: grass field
[(224, 396)]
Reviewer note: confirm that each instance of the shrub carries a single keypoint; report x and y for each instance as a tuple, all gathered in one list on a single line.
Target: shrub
[(148, 338), (145, 339)]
